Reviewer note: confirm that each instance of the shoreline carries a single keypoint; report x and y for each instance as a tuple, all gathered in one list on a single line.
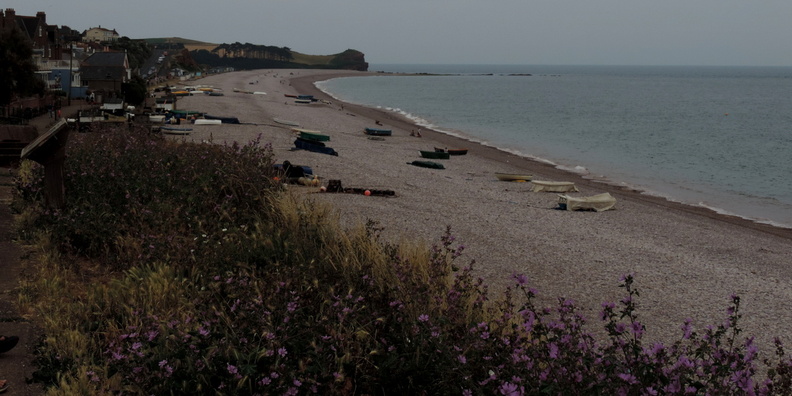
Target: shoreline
[(307, 84), (687, 260)]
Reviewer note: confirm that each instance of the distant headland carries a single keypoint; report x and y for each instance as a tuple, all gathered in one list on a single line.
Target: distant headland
[(249, 56)]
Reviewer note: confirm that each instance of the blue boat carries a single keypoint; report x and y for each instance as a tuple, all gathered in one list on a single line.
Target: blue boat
[(305, 168), (312, 145), (378, 132)]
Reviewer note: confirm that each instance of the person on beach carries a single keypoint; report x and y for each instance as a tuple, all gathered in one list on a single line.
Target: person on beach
[(8, 343)]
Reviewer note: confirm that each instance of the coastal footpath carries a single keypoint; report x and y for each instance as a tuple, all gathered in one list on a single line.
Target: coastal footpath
[(687, 260)]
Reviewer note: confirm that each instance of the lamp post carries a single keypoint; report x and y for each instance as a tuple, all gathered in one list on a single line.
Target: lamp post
[(71, 58)]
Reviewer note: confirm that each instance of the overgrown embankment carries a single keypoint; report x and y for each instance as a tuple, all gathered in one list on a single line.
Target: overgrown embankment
[(185, 268)]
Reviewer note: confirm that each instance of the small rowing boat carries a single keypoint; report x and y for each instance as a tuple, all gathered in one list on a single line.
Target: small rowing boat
[(286, 122), (427, 164), (175, 131), (378, 132), (434, 154), (203, 121), (451, 151), (311, 145), (312, 135)]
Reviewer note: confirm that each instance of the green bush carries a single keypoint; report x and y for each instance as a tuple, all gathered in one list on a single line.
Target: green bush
[(194, 272)]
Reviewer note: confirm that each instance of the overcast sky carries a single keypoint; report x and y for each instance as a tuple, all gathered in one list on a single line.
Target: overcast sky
[(551, 32)]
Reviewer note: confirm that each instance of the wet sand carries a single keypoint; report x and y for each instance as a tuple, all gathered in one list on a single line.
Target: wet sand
[(687, 260)]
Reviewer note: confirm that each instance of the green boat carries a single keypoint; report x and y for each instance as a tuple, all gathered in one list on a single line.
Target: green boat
[(434, 154), (312, 135)]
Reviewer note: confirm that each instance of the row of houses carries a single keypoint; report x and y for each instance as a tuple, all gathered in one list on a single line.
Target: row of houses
[(70, 61)]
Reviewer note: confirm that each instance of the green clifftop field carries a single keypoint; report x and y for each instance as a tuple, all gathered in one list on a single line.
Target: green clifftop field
[(253, 56)]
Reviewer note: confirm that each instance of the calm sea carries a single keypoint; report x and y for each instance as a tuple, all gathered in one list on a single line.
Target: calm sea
[(719, 137)]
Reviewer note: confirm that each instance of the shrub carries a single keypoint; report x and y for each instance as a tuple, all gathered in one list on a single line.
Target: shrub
[(230, 285)]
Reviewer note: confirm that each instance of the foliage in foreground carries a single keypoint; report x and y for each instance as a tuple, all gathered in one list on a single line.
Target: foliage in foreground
[(213, 280)]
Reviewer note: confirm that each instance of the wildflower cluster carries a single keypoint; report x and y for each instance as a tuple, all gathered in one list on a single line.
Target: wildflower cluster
[(231, 286)]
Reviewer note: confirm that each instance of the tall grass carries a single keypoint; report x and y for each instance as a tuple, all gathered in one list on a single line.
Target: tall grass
[(183, 268)]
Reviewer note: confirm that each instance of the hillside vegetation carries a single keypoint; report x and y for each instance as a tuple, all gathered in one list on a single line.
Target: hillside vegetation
[(178, 268), (252, 56)]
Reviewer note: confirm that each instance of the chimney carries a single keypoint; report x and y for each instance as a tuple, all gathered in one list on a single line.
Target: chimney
[(42, 16)]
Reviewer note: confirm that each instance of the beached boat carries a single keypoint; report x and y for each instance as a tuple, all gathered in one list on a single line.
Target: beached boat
[(513, 177), (175, 130), (315, 136), (302, 101), (160, 118), (378, 132), (186, 113), (286, 122), (290, 95), (553, 186), (427, 164), (451, 151), (434, 154), (224, 120), (597, 203), (312, 145), (203, 121)]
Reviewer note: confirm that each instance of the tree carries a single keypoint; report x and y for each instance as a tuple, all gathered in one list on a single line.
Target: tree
[(138, 51), (135, 91), (17, 70)]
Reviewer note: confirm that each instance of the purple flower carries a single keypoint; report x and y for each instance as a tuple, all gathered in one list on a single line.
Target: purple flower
[(629, 378), (553, 350), (462, 359), (282, 352), (231, 368), (520, 278), (423, 318), (509, 389)]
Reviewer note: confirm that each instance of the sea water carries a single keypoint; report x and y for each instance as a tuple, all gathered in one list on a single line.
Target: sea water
[(719, 137)]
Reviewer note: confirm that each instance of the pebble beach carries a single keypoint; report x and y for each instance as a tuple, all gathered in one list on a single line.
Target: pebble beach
[(687, 260)]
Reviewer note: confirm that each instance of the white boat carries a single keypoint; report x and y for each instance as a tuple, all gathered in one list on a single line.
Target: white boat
[(598, 203), (513, 177), (286, 122), (553, 186), (201, 121)]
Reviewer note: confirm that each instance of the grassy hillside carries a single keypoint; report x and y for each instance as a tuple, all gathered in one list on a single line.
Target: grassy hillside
[(176, 40), (312, 59), (195, 45)]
